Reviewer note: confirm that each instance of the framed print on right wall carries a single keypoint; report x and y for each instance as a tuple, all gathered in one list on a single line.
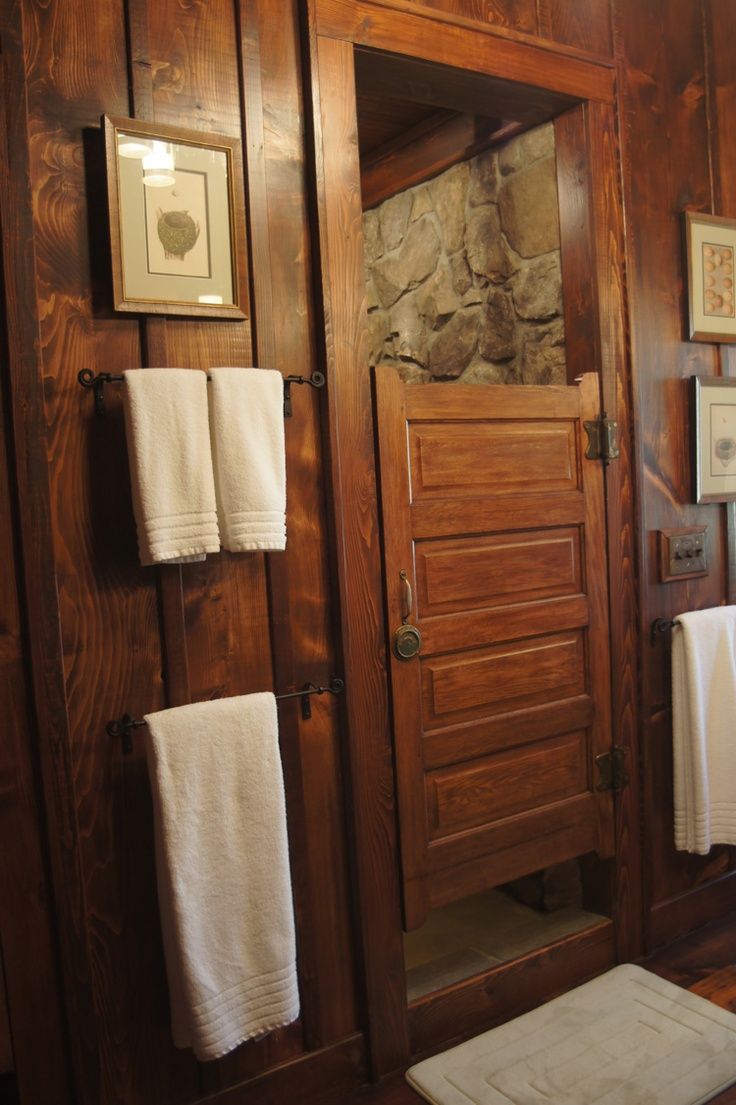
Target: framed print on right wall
[(710, 247), (713, 422)]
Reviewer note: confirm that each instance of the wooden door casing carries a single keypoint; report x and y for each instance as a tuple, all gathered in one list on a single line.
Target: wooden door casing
[(592, 262), (491, 509)]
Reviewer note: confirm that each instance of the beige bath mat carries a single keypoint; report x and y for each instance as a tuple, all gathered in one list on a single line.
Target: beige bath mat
[(626, 1038)]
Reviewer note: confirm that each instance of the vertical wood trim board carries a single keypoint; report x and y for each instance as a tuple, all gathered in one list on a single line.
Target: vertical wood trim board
[(359, 572)]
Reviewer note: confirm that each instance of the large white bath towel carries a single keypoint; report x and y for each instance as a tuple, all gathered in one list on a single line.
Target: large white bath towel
[(222, 863), (170, 457), (704, 728), (247, 419)]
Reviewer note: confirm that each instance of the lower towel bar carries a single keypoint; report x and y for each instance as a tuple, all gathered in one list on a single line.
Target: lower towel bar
[(123, 726)]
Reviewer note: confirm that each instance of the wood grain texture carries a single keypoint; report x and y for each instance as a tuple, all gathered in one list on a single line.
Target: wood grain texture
[(586, 26), (582, 333), (720, 26), (606, 220), (25, 400), (409, 30), (664, 136), (30, 989), (356, 536), (298, 581), (423, 152), (108, 608), (516, 15)]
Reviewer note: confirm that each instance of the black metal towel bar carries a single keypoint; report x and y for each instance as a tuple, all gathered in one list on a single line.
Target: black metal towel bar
[(124, 726), (659, 627), (88, 379)]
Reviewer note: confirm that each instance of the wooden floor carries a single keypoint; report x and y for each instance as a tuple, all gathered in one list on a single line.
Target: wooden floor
[(704, 962)]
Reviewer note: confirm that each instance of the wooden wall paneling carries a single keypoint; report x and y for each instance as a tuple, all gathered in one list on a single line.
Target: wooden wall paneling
[(664, 140), (516, 15), (720, 26), (606, 211), (411, 30), (582, 332), (29, 981), (422, 153), (356, 521), (22, 258), (108, 606), (587, 26), (301, 593), (330, 1077), (215, 620), (690, 871)]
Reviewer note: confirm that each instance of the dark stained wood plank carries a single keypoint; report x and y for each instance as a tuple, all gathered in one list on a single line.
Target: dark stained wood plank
[(60, 235), (426, 151), (664, 138), (414, 32), (587, 26), (29, 982), (675, 872), (516, 15), (382, 121), (301, 593), (606, 220), (720, 24), (330, 1077), (582, 334), (358, 558), (444, 84)]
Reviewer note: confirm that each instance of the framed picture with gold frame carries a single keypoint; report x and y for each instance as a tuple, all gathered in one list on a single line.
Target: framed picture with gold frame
[(177, 220), (713, 423), (710, 248)]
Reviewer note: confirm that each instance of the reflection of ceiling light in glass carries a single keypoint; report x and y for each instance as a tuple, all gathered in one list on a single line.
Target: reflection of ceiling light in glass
[(158, 166), (132, 147)]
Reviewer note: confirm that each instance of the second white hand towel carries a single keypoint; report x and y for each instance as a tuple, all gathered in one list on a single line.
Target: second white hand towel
[(222, 862), (170, 457), (247, 421), (704, 728)]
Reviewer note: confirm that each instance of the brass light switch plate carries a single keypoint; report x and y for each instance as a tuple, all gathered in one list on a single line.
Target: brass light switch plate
[(682, 553)]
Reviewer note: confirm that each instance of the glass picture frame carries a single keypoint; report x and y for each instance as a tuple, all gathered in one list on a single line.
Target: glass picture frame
[(713, 422), (710, 249), (177, 220)]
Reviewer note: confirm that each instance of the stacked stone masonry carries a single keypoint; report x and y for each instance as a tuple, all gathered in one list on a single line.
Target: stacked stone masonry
[(463, 272)]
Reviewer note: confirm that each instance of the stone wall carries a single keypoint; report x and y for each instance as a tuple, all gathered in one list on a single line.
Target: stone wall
[(463, 272)]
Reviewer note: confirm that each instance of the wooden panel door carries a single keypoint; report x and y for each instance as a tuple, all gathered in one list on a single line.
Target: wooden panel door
[(494, 548)]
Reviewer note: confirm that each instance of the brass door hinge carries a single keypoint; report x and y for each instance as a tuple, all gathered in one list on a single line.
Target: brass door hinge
[(602, 439), (612, 769)]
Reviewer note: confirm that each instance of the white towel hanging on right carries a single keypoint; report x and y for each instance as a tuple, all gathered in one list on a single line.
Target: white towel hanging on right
[(704, 728)]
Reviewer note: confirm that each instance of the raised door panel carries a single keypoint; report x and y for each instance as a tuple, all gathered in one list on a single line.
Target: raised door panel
[(495, 518)]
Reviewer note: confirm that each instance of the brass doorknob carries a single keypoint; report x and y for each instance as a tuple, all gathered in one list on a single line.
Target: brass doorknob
[(407, 642)]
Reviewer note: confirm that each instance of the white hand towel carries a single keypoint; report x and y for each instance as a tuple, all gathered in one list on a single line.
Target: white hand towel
[(704, 728), (247, 419), (167, 429), (223, 871)]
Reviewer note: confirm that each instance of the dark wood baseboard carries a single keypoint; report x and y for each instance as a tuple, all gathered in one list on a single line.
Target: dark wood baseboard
[(675, 917), (303, 1081)]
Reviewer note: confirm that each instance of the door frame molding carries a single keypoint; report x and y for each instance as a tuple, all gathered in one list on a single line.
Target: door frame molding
[(579, 90)]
